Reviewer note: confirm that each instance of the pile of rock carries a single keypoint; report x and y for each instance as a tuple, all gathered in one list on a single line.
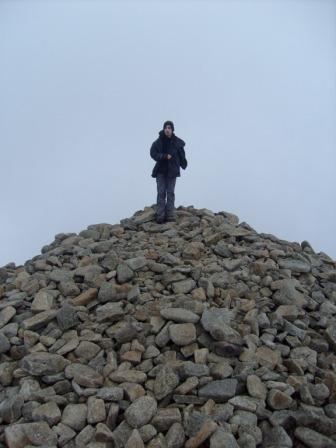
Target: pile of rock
[(196, 333)]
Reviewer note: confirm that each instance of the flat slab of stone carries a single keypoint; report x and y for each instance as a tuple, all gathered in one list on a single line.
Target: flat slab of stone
[(43, 363), (39, 320), (220, 391), (179, 315), (129, 376)]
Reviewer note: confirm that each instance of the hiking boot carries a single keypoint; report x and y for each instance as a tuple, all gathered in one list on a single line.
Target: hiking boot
[(170, 218), (160, 220)]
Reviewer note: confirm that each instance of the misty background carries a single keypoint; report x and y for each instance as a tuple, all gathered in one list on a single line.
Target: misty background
[(85, 87)]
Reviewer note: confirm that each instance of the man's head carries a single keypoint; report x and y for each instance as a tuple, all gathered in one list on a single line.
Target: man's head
[(168, 128)]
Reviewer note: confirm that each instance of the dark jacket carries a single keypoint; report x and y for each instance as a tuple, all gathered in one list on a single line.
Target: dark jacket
[(176, 151)]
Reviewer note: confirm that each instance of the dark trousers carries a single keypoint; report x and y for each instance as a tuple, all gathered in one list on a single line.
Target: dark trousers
[(165, 196)]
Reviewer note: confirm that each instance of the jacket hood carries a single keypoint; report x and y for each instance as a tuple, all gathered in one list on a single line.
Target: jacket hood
[(174, 137)]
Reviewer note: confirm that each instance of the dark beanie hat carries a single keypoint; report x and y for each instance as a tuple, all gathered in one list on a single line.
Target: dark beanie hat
[(170, 123)]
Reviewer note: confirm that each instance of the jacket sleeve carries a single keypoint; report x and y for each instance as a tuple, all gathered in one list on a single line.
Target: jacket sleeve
[(155, 153), (183, 160)]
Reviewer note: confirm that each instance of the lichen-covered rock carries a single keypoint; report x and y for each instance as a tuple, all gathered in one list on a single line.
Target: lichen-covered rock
[(165, 382)]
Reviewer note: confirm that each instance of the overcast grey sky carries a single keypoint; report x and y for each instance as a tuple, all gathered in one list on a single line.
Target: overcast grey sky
[(85, 87)]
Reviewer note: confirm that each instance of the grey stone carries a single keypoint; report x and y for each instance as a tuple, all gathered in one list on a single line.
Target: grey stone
[(60, 275), (232, 264), (278, 400), (287, 294), (214, 318), (223, 439), (226, 349), (135, 440), (49, 412), (330, 410), (6, 372), (330, 334), (109, 312), (39, 320), (245, 403), (244, 418), (137, 263), (43, 363), (147, 432), (43, 301), (134, 294), (179, 315), (277, 437), (121, 434), (165, 382), (6, 315), (128, 376), (184, 286), (313, 438), (222, 249), (11, 409), (182, 334), (84, 375), (24, 434), (125, 333), (256, 388), (69, 288), (253, 431), (294, 264), (111, 393), (95, 410), (192, 369), (87, 350), (124, 273), (220, 390), (175, 436), (88, 274), (171, 275), (193, 422), (103, 433), (223, 412), (74, 416), (108, 292), (165, 418), (4, 343), (67, 317), (64, 433), (141, 411), (147, 215)]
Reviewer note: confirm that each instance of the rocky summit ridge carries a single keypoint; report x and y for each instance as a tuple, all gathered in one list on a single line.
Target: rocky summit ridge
[(196, 333)]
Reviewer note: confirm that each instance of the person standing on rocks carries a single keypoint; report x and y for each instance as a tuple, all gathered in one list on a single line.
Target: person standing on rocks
[(168, 152)]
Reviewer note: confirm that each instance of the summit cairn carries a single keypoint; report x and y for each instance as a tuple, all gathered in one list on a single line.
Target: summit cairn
[(196, 333)]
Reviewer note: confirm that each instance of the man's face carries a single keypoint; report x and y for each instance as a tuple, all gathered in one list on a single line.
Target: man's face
[(168, 130)]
